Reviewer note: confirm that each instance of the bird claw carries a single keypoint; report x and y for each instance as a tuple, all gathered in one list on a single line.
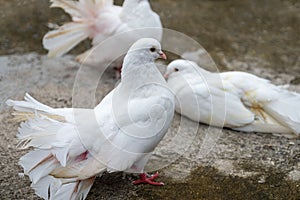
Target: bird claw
[(148, 180)]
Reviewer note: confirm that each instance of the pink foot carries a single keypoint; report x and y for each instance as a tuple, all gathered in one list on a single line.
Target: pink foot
[(147, 180)]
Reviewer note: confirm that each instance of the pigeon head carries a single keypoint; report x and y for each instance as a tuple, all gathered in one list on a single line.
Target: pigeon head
[(140, 58), (147, 49), (180, 66)]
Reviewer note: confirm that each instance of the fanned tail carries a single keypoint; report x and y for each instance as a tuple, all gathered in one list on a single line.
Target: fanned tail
[(59, 166), (66, 37), (51, 153), (60, 41)]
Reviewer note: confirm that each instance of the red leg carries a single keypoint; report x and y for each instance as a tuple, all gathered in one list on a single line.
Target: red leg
[(82, 156), (118, 71), (147, 180)]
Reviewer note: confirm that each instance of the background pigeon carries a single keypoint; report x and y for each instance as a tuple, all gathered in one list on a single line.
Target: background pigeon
[(237, 100), (99, 20)]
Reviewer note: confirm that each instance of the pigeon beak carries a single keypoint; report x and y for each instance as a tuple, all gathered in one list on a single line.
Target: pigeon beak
[(166, 75), (162, 55)]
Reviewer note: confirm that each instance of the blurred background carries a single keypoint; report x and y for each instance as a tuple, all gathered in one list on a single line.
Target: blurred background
[(230, 29)]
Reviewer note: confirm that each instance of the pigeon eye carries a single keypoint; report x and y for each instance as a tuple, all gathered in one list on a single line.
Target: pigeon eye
[(176, 69), (152, 49)]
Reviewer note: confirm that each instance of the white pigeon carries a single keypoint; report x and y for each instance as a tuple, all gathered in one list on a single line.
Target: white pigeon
[(248, 103), (99, 20), (71, 146)]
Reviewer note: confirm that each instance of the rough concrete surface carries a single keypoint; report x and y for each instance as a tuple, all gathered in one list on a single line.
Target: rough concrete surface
[(206, 163)]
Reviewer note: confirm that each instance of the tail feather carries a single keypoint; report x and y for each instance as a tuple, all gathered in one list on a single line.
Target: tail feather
[(84, 14), (62, 40), (266, 127), (31, 108), (56, 146), (75, 190), (46, 185), (48, 134), (32, 159), (66, 191), (43, 169), (39, 165), (40, 132), (286, 110), (52, 188), (70, 7), (29, 105)]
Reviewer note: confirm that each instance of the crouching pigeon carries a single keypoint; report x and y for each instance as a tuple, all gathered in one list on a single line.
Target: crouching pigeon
[(236, 100)]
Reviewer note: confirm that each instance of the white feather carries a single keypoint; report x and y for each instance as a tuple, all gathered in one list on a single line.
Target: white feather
[(286, 109), (69, 153), (32, 158), (65, 38), (100, 20), (28, 105), (241, 100), (44, 185)]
